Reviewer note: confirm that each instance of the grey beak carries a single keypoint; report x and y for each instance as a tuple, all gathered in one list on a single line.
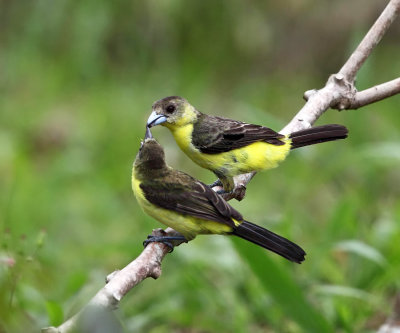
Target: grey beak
[(155, 119), (148, 134)]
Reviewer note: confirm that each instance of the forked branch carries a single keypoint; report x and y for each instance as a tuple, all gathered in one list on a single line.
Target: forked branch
[(339, 92)]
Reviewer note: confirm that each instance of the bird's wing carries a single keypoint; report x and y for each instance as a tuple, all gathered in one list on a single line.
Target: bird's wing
[(183, 194), (213, 135)]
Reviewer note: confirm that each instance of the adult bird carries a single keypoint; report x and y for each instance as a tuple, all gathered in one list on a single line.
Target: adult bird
[(229, 147), (190, 207)]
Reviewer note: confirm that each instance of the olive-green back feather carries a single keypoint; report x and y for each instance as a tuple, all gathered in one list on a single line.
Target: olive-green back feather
[(213, 135)]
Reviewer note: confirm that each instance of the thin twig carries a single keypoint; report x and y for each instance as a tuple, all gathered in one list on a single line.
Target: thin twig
[(375, 94)]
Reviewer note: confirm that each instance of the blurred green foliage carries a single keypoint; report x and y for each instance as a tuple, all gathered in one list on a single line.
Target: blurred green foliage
[(77, 80)]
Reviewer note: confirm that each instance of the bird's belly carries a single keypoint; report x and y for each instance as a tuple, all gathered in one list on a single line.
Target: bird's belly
[(254, 157), (258, 156), (187, 225)]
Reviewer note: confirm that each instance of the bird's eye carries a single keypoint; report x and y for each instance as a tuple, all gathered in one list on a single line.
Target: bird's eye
[(170, 108)]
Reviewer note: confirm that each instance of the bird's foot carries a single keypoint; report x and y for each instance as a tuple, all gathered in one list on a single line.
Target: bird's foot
[(216, 183), (238, 193), (222, 192), (165, 240)]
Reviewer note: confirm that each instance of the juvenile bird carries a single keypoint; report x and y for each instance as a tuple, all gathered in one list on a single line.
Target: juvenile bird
[(190, 207), (229, 147)]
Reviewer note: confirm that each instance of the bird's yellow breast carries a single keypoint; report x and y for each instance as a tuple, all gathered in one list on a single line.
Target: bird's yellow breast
[(254, 157), (187, 225)]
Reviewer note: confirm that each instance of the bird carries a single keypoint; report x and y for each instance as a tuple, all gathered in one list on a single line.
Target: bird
[(229, 147), (191, 207)]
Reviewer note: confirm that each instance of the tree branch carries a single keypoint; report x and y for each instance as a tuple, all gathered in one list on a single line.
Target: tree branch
[(371, 39), (339, 91), (375, 94), (147, 264)]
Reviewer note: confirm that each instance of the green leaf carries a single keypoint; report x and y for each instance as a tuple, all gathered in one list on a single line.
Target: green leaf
[(362, 249), (55, 313), (283, 288), (75, 281), (337, 290), (382, 151)]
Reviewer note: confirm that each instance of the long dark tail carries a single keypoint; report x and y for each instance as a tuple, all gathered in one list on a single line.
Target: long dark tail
[(270, 241), (311, 136)]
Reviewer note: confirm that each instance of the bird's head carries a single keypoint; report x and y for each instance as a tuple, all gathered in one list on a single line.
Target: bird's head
[(151, 154), (172, 112)]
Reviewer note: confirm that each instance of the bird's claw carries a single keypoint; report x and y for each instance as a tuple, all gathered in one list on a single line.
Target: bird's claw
[(163, 239), (237, 193), (220, 192), (216, 183)]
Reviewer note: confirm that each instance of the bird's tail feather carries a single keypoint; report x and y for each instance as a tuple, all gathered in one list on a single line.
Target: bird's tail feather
[(311, 136), (270, 241)]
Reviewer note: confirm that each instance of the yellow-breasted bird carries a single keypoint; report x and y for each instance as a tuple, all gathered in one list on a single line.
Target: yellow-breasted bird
[(229, 147), (190, 207)]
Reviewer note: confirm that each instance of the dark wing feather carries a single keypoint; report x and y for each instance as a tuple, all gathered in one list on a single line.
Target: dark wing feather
[(183, 194), (213, 135)]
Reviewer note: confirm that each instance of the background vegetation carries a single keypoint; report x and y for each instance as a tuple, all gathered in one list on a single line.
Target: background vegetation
[(77, 80)]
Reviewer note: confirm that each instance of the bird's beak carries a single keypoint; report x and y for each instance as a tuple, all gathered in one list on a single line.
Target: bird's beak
[(156, 119), (148, 134)]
